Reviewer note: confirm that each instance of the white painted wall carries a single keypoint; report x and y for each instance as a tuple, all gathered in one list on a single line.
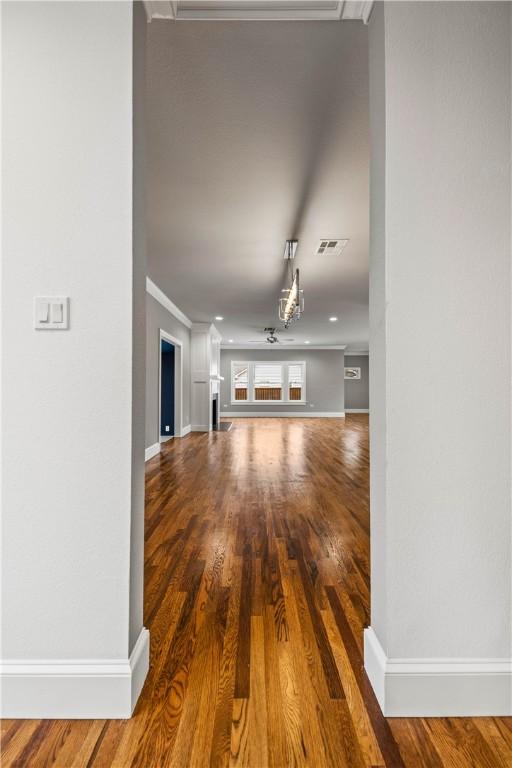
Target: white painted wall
[(440, 275), (67, 518), (139, 207)]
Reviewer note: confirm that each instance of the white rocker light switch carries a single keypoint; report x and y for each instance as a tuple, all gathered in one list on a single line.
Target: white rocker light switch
[(57, 313), (51, 313), (42, 312)]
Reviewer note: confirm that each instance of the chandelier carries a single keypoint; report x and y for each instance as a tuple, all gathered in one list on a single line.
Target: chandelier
[(291, 304)]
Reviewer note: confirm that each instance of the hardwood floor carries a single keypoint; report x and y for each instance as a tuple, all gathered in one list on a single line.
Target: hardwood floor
[(257, 592)]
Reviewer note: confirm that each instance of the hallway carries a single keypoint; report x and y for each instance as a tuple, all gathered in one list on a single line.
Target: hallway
[(257, 592)]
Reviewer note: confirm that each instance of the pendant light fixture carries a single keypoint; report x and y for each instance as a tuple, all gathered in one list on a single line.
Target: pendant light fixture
[(291, 304)]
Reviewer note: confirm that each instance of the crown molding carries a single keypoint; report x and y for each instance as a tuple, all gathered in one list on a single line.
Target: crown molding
[(357, 353), (357, 10), (201, 327), (165, 301), (246, 10), (277, 347)]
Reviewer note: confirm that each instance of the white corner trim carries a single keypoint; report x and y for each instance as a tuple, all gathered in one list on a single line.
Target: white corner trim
[(375, 664), (284, 414), (357, 410), (366, 11), (152, 451), (139, 666), (165, 301), (70, 689), (357, 10), (168, 337), (444, 687), (160, 9), (186, 430)]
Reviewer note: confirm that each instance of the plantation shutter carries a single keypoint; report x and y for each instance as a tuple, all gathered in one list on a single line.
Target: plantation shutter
[(268, 381), (268, 375), (240, 381), (296, 381), (295, 374)]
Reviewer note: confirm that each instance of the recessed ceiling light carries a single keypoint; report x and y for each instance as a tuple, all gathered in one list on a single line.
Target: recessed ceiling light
[(307, 342), (333, 319), (219, 317), (230, 341)]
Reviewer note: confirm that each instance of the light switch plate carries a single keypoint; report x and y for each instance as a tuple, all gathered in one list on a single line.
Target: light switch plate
[(51, 313)]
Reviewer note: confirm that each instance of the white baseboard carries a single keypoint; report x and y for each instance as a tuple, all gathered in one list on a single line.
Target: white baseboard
[(165, 438), (357, 410), (284, 414), (152, 451), (199, 428), (186, 430), (76, 689), (438, 687)]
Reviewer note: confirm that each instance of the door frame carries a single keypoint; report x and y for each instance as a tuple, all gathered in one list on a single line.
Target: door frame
[(178, 384)]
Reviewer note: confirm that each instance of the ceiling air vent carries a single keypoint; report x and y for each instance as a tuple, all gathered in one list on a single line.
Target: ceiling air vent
[(332, 247)]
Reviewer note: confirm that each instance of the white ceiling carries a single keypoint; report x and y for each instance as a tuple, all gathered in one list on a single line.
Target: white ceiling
[(258, 132)]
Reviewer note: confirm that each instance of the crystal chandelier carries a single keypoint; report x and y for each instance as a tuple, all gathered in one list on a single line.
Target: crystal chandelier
[(291, 304)]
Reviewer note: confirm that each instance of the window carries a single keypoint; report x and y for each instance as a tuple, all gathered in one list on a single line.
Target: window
[(267, 381), (239, 380), (295, 381)]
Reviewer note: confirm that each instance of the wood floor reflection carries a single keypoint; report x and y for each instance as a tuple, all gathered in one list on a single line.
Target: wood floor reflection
[(256, 596)]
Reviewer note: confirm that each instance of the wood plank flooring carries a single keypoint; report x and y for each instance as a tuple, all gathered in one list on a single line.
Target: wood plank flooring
[(256, 595)]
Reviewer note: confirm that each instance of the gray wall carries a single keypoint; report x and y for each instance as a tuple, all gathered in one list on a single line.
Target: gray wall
[(356, 390), (158, 317), (324, 379)]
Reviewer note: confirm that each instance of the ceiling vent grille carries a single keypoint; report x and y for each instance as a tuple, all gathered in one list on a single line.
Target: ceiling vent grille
[(330, 247)]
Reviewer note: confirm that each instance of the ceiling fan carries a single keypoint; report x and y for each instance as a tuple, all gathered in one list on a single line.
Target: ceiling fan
[(270, 339)]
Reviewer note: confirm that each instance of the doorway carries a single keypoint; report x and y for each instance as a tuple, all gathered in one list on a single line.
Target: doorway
[(170, 387), (167, 393)]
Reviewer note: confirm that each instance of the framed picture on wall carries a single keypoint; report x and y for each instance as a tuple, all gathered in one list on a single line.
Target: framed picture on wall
[(352, 373)]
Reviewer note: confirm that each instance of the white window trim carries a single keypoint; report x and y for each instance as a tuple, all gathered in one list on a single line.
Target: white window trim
[(285, 385)]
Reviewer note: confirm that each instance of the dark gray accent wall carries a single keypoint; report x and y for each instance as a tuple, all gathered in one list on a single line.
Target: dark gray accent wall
[(357, 390), (324, 379), (158, 317)]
